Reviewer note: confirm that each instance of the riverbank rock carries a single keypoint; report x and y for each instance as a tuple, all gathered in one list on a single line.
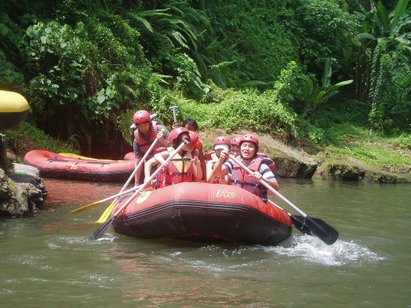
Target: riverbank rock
[(21, 173), (23, 197), (347, 168), (290, 162)]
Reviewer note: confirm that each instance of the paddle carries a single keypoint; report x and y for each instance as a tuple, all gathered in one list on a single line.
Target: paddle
[(298, 221), (106, 214), (122, 192), (304, 223), (90, 205), (100, 230)]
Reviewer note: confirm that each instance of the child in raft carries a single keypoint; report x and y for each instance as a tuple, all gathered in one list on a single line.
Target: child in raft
[(183, 167), (220, 143)]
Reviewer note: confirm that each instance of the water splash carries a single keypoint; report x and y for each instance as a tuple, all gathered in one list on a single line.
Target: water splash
[(308, 249), (106, 238), (313, 250)]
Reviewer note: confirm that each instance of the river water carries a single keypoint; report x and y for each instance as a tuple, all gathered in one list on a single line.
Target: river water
[(48, 260)]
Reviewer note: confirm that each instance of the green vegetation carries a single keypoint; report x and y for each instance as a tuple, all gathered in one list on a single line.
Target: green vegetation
[(26, 135), (331, 74), (391, 153)]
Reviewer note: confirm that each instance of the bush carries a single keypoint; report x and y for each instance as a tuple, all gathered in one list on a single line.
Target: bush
[(27, 137), (391, 91), (323, 30), (245, 109)]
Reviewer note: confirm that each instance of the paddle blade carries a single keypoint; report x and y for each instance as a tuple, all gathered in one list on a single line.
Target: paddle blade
[(85, 207), (106, 213), (317, 227), (99, 233)]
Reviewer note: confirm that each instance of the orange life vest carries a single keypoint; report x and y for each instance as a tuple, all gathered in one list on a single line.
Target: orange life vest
[(241, 178), (180, 169), (268, 161), (144, 142)]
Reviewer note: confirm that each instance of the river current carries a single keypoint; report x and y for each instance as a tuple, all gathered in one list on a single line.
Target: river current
[(49, 261)]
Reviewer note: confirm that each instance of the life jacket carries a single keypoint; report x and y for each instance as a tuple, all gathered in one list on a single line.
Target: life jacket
[(242, 179), (180, 169), (268, 161), (144, 142), (217, 179)]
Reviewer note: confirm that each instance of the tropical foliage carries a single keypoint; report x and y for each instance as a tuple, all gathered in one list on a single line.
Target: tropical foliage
[(270, 65)]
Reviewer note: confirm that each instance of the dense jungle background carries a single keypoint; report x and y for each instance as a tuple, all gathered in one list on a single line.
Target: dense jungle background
[(330, 76)]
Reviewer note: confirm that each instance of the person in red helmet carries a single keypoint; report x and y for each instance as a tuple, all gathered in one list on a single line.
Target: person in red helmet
[(220, 143), (235, 145), (192, 126), (145, 133), (239, 177), (183, 167), (193, 145)]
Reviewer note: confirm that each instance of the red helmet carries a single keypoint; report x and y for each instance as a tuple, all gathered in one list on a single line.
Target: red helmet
[(175, 133), (193, 138), (221, 140), (250, 138), (141, 116), (236, 141)]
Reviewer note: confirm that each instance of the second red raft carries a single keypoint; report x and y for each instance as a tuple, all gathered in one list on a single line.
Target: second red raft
[(70, 166)]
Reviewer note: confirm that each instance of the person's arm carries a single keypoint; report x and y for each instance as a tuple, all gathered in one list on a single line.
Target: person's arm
[(220, 169), (138, 155), (210, 176), (267, 175), (148, 166), (157, 160), (136, 149), (202, 162), (198, 172), (163, 135)]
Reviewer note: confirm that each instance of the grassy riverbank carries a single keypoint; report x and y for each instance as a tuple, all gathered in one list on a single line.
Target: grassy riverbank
[(353, 153)]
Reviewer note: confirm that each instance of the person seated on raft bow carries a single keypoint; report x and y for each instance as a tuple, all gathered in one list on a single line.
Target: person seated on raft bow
[(220, 143), (192, 126), (239, 177), (144, 135), (183, 167)]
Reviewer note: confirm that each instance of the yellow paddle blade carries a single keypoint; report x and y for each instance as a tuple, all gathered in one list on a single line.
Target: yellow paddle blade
[(85, 207), (107, 213)]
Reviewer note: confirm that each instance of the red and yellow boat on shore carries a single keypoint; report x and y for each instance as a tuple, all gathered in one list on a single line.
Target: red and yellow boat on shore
[(76, 167), (204, 212)]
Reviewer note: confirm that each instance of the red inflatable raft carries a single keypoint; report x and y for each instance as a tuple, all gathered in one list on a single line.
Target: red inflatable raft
[(71, 166), (201, 211)]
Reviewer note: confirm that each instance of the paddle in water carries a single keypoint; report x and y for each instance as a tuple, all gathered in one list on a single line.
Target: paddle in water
[(304, 223), (90, 205), (106, 214), (100, 230)]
